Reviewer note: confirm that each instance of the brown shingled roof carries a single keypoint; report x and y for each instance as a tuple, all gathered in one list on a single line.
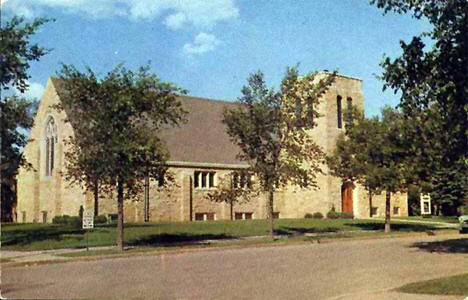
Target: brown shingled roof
[(203, 138)]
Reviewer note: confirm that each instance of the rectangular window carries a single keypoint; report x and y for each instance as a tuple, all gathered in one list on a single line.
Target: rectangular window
[(243, 216), (196, 181), (211, 179), (204, 179), (161, 180), (235, 180), (241, 180), (375, 210), (206, 216), (24, 216), (276, 215), (338, 111), (396, 210)]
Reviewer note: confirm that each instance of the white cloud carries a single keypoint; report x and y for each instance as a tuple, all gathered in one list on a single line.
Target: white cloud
[(203, 43), (175, 21), (34, 91), (174, 13)]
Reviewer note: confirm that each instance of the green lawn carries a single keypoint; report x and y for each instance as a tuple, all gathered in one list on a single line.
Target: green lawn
[(48, 236), (454, 285)]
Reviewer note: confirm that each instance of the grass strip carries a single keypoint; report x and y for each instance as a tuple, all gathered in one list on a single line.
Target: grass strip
[(49, 236), (453, 285)]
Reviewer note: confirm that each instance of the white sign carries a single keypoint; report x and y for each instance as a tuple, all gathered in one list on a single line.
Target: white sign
[(88, 219), (425, 204)]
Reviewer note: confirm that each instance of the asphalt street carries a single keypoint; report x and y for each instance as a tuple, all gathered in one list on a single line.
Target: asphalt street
[(357, 269)]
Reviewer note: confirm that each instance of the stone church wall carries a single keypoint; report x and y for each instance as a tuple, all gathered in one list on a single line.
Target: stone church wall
[(42, 197)]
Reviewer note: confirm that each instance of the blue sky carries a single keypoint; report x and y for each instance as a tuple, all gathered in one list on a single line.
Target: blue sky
[(209, 47)]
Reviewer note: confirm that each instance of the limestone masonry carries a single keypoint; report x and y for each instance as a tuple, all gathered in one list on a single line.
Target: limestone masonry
[(201, 154)]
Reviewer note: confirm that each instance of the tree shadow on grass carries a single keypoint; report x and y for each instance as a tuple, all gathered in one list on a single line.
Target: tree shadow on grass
[(168, 240), (447, 246), (294, 231), (126, 225), (28, 236), (396, 227)]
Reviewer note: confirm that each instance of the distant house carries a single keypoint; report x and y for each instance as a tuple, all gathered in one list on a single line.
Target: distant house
[(201, 153)]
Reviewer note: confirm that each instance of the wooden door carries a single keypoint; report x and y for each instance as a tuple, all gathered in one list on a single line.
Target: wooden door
[(347, 197)]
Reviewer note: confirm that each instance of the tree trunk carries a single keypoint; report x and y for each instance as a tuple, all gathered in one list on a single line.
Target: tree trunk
[(370, 204), (96, 198), (270, 214), (387, 212), (120, 223), (232, 209), (146, 202)]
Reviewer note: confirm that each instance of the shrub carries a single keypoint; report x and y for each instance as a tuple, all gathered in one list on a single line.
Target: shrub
[(57, 220), (426, 216), (74, 221), (67, 220), (63, 220), (317, 215), (100, 219), (332, 215), (346, 215), (308, 216)]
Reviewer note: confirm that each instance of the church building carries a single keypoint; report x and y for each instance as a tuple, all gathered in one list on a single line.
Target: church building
[(201, 153)]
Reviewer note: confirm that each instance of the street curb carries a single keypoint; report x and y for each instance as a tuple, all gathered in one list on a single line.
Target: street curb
[(315, 240)]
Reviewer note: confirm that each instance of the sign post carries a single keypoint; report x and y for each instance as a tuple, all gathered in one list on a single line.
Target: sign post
[(88, 223)]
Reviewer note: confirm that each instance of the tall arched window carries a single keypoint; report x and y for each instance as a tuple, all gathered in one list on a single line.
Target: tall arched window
[(338, 111), (51, 140)]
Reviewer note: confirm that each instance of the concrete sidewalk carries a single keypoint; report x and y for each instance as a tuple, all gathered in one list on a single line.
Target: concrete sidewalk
[(437, 223), (42, 255)]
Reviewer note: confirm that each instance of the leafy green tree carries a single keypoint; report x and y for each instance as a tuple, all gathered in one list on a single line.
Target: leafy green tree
[(115, 121), (16, 112), (432, 77), (372, 153), (272, 130), (350, 158), (234, 187)]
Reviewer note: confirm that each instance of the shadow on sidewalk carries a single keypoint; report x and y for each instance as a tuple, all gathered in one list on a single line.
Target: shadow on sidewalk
[(447, 246), (395, 226)]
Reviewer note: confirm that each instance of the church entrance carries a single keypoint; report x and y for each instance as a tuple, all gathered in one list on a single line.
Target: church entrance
[(347, 197)]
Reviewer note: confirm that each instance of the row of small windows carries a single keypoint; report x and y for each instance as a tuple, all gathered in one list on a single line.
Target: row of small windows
[(211, 216), (202, 179), (241, 180), (207, 180), (339, 113), (396, 210)]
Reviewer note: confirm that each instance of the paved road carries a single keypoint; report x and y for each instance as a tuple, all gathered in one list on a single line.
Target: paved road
[(359, 269)]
